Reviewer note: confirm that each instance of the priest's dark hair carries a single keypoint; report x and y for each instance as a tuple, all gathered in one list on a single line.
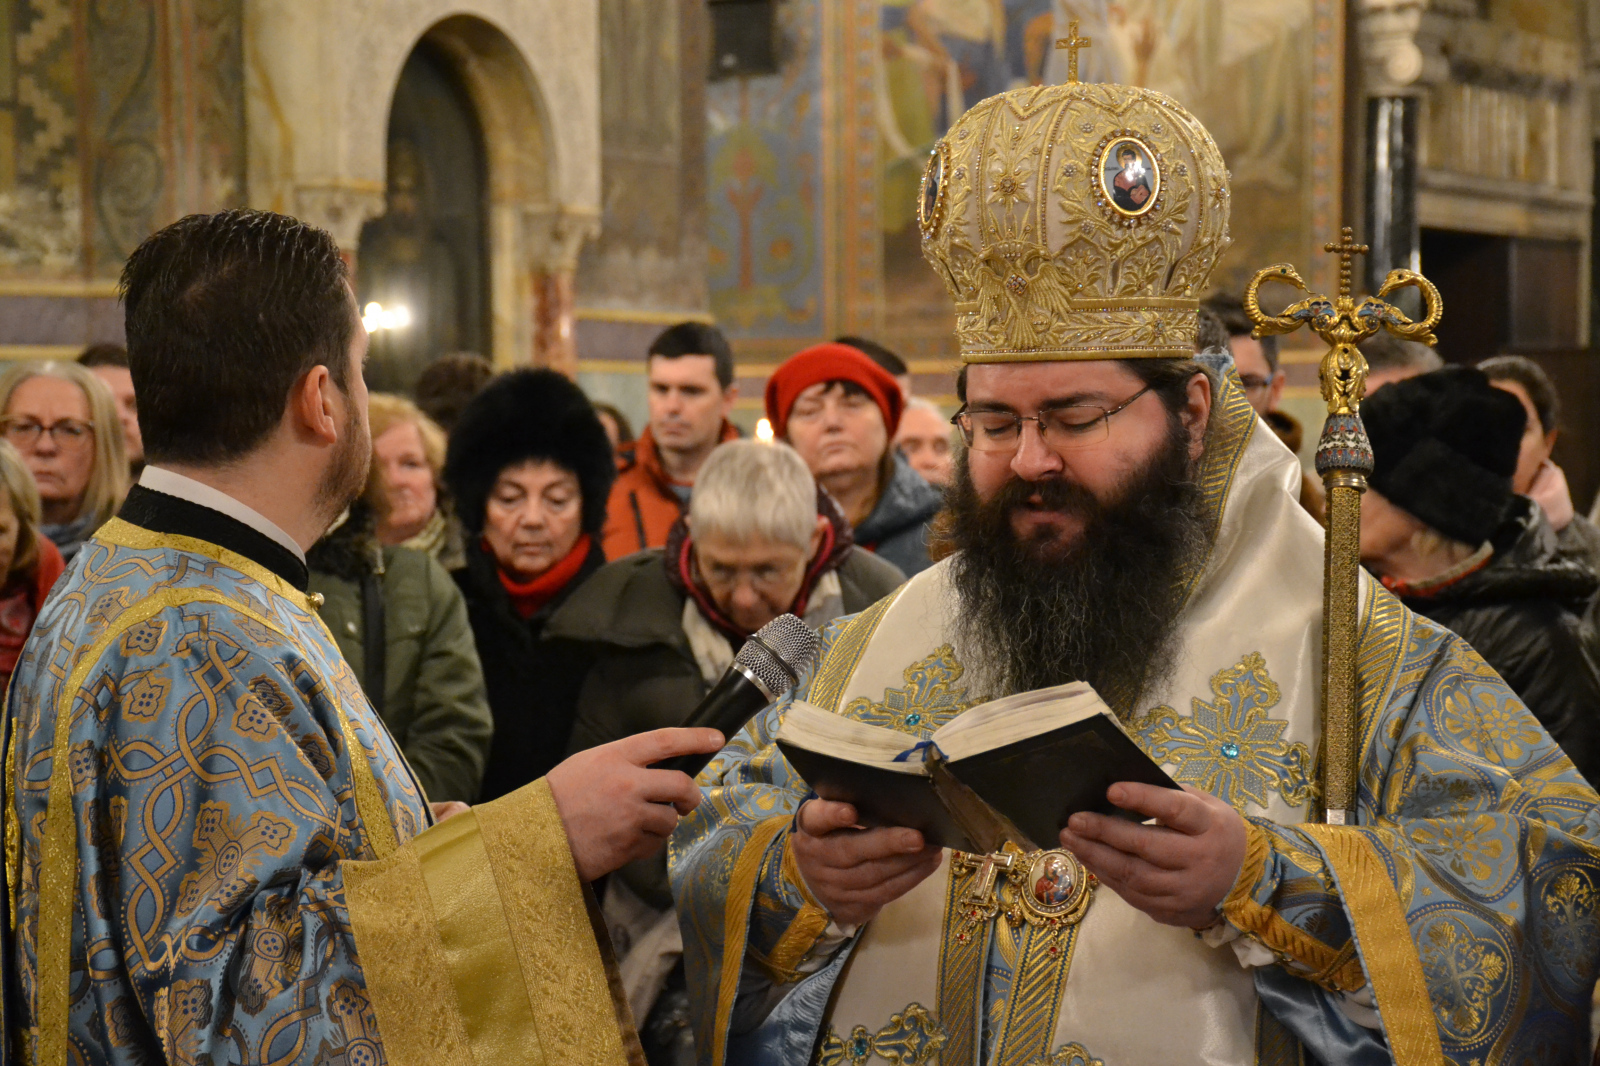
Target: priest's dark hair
[(224, 313), (696, 338)]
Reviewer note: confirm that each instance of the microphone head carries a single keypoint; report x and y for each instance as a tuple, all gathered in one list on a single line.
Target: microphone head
[(780, 653)]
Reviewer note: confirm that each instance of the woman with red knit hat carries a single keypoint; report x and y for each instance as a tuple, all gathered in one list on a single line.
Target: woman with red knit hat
[(839, 410)]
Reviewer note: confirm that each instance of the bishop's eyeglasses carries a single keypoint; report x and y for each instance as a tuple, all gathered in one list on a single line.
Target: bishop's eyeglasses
[(1076, 425)]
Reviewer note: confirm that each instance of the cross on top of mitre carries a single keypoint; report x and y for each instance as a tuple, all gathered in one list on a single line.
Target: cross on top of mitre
[(1072, 42)]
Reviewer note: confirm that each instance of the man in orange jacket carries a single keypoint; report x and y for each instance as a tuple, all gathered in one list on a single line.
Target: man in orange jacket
[(691, 393)]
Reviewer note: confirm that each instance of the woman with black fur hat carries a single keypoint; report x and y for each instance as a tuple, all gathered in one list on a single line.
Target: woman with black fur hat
[(1443, 530), (531, 469)]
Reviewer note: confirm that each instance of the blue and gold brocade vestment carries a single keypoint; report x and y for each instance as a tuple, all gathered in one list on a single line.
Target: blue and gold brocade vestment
[(216, 853), (1459, 921)]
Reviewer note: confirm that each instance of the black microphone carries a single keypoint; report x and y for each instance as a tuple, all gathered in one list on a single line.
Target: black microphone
[(770, 664)]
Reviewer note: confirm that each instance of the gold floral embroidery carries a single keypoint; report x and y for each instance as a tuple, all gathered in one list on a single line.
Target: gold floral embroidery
[(225, 855), (911, 1038), (1229, 747), (144, 695), (930, 699), (272, 954), (1571, 937), (1465, 976), (143, 638), (1471, 849), (1069, 1055)]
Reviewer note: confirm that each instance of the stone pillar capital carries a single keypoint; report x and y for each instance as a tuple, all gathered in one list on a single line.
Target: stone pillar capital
[(340, 208), (555, 235), (1402, 44)]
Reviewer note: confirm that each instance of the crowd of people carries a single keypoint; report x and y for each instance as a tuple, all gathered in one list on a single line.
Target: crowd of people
[(524, 578)]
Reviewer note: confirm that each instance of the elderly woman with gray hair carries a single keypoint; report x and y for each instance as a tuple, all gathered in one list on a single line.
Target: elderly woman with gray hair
[(760, 538)]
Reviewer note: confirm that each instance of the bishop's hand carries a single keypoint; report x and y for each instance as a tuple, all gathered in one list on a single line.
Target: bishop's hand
[(615, 807), (1177, 872), (854, 873)]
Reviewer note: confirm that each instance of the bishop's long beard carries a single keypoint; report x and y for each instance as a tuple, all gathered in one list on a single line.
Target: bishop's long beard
[(1102, 608)]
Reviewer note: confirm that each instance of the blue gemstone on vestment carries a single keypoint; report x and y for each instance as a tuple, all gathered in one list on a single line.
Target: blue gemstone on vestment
[(1230, 750), (913, 719)]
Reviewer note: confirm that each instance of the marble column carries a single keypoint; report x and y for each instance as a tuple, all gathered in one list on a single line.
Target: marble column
[(1392, 230), (554, 238), (555, 321)]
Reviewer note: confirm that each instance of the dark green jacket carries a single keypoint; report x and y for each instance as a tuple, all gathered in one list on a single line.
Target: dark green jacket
[(644, 675), (433, 698)]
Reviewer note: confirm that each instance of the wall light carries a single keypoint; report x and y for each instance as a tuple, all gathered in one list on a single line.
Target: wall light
[(375, 316)]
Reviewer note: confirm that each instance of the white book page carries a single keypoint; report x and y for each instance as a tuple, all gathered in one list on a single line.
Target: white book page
[(817, 730), (1012, 718)]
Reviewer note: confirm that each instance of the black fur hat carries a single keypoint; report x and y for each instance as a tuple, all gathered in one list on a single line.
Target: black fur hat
[(528, 414), (1446, 446)]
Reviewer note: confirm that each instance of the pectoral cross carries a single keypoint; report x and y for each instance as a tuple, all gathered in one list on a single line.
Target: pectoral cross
[(1072, 42), (980, 902)]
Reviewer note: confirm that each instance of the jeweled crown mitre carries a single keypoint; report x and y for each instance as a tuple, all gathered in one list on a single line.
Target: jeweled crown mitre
[(1075, 221)]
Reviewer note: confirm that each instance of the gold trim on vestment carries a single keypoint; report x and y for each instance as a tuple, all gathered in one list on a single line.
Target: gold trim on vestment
[(1388, 953), (797, 940), (736, 924), (125, 534), (1330, 967), (960, 973), (839, 665), (1039, 977), (468, 926)]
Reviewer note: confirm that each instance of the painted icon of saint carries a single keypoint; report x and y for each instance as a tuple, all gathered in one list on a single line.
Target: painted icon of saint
[(1054, 885), (1130, 189)]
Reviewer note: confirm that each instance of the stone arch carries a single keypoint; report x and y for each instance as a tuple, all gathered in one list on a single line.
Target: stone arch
[(319, 82)]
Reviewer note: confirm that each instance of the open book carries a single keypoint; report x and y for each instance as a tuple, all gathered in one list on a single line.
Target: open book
[(1012, 769)]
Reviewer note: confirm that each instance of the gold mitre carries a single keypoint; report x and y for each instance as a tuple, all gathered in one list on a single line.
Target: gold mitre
[(1075, 221)]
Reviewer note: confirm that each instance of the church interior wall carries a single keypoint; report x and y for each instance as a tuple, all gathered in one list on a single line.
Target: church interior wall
[(646, 268)]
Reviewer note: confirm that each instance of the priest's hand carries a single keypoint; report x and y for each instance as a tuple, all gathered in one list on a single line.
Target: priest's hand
[(854, 873), (447, 809), (1177, 872), (615, 808)]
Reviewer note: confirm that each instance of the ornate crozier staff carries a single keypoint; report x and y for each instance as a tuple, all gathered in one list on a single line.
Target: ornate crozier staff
[(1344, 459)]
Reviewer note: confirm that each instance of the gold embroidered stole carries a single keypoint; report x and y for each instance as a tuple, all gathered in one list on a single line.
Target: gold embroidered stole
[(1039, 976)]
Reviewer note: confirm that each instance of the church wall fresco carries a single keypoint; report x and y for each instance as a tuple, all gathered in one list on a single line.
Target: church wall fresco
[(650, 253), (1265, 76), (114, 119), (765, 165)]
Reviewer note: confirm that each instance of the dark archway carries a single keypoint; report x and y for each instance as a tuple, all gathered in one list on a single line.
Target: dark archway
[(429, 252)]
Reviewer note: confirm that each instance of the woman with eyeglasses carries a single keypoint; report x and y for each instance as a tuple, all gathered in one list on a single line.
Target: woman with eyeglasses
[(63, 421)]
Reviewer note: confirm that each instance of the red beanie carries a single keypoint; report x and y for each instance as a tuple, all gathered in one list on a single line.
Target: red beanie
[(831, 362)]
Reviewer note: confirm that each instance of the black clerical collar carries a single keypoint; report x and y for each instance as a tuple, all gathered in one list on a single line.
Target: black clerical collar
[(160, 513)]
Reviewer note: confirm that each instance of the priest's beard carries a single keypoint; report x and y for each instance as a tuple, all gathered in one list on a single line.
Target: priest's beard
[(346, 475), (1102, 608)]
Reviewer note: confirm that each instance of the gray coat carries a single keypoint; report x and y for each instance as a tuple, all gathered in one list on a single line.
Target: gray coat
[(897, 528)]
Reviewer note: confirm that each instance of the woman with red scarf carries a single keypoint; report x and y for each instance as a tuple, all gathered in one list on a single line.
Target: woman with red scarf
[(28, 560), (530, 467)]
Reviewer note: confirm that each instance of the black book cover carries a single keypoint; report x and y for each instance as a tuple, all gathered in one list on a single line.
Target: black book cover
[(1037, 783)]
